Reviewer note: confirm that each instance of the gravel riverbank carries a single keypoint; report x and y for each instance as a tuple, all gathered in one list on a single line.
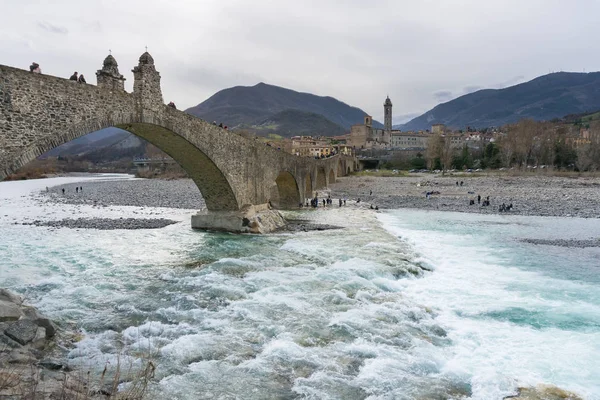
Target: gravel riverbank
[(529, 195), (180, 193), (106, 223)]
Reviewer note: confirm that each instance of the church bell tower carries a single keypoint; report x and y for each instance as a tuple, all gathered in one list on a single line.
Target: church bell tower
[(387, 119)]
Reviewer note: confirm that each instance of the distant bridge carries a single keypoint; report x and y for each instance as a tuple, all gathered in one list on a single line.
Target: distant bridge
[(40, 112)]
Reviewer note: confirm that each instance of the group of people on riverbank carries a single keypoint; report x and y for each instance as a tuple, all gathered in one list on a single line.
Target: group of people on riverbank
[(78, 189), (315, 202)]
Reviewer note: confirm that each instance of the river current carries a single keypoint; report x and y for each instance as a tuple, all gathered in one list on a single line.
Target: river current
[(400, 304)]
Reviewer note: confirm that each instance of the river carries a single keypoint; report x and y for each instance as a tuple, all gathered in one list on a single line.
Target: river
[(401, 304)]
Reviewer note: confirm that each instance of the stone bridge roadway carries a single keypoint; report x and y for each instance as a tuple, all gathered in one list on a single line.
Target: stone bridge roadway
[(40, 112)]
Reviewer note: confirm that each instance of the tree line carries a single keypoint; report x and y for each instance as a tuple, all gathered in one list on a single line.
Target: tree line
[(527, 143)]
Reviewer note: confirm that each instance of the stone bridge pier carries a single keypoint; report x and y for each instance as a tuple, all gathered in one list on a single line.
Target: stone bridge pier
[(242, 180)]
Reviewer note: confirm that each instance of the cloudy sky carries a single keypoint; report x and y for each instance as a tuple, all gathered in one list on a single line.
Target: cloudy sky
[(420, 52)]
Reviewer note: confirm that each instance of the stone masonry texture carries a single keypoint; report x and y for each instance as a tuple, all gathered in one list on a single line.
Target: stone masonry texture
[(40, 112)]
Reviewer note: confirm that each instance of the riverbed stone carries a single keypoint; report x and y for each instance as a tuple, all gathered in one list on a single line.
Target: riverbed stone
[(41, 321), (22, 331), (544, 392), (51, 364), (10, 296), (7, 343), (9, 311)]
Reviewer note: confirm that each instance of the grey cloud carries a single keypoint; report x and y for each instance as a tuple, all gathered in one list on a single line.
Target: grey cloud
[(48, 27), (443, 95), (357, 53), (402, 118), (471, 89), (510, 82)]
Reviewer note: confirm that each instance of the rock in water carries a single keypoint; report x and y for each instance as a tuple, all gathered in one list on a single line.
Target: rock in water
[(22, 331), (41, 321), (11, 297), (544, 392), (9, 311)]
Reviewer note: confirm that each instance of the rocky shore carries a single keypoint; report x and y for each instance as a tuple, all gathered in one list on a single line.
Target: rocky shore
[(28, 345), (106, 223), (180, 193), (33, 366), (537, 195)]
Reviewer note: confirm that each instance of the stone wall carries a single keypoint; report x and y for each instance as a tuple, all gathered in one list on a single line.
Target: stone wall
[(41, 112)]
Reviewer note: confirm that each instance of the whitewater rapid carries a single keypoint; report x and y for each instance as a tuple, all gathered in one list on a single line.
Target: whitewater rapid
[(398, 305)]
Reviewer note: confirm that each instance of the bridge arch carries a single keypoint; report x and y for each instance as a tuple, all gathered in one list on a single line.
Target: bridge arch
[(331, 176), (340, 168), (212, 183), (321, 178), (287, 194), (308, 186)]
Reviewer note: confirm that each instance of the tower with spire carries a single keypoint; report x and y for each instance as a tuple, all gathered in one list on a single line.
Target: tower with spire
[(109, 76), (146, 84), (387, 116)]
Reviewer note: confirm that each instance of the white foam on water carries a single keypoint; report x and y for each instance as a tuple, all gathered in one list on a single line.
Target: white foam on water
[(328, 314), (476, 289)]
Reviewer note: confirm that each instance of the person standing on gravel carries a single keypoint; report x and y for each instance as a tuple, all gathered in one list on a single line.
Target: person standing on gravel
[(63, 190), (478, 199)]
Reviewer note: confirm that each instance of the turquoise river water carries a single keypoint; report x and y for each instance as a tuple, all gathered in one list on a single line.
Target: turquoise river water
[(400, 304)]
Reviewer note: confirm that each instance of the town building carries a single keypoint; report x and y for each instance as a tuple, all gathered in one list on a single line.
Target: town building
[(308, 146), (438, 128), (409, 140), (364, 136)]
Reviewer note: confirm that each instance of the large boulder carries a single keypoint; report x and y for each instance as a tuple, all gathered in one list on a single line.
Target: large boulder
[(22, 331), (544, 392), (40, 320), (9, 311), (10, 296)]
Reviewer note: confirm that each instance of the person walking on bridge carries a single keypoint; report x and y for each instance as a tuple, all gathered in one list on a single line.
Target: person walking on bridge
[(81, 79), (35, 68), (74, 77)]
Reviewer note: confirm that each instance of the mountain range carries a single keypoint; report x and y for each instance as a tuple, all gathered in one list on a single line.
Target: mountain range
[(268, 108), (544, 98)]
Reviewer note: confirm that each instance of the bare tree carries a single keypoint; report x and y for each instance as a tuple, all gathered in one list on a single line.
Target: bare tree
[(433, 150), (447, 153), (507, 145)]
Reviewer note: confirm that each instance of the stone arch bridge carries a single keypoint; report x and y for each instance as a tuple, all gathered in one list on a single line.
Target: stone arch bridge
[(234, 174)]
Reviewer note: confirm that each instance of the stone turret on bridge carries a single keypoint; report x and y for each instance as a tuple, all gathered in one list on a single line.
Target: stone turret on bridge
[(109, 76), (146, 84), (237, 177)]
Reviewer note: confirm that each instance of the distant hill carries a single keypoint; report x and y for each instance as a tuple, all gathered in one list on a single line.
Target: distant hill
[(90, 142), (104, 145), (295, 122), (248, 106), (543, 98)]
